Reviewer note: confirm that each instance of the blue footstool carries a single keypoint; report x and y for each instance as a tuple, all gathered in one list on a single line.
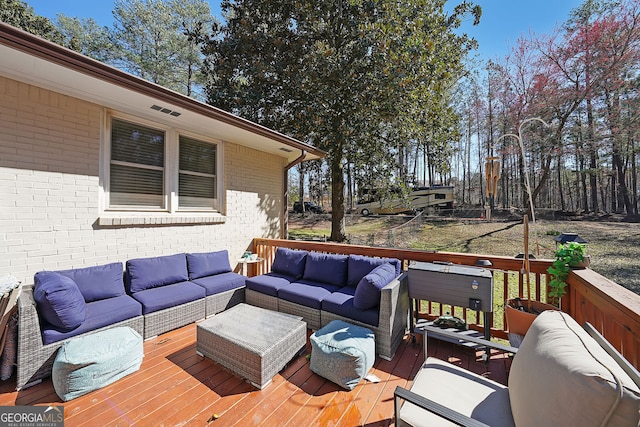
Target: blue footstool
[(93, 361), (342, 353)]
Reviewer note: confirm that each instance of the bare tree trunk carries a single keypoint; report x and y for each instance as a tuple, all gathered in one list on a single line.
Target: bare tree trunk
[(603, 195), (634, 176), (415, 162), (301, 171), (613, 192), (424, 171), (583, 183), (560, 190), (349, 182), (468, 168), (616, 158), (338, 233), (570, 191), (593, 157)]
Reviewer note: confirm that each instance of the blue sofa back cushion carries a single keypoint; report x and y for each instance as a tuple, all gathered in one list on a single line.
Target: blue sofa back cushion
[(99, 282), (59, 300), (147, 273), (359, 266), (367, 294), (326, 268), (289, 262), (208, 264)]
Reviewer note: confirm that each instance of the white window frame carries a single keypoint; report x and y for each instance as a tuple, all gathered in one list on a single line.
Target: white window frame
[(172, 213)]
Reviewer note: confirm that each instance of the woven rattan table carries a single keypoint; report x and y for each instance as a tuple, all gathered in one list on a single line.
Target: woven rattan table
[(252, 342)]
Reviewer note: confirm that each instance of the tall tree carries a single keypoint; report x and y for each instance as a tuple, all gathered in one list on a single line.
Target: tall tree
[(335, 73), (154, 40)]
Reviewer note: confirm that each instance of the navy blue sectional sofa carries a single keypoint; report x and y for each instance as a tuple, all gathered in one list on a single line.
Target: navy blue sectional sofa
[(366, 291), (153, 296)]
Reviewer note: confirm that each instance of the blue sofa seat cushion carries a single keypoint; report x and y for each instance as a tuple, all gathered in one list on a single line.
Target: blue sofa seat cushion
[(156, 299), (59, 301), (367, 293), (99, 282), (147, 273), (268, 284), (208, 264), (341, 303), (99, 314), (307, 293), (289, 262), (359, 266), (326, 268), (221, 282)]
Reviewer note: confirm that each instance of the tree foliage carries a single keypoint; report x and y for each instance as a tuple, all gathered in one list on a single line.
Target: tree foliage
[(21, 15), (84, 35), (153, 39), (342, 75)]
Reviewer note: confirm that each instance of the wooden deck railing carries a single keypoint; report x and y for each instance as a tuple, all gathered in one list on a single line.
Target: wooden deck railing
[(612, 309)]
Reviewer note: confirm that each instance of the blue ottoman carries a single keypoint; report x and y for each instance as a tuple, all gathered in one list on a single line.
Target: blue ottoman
[(93, 361), (342, 353)]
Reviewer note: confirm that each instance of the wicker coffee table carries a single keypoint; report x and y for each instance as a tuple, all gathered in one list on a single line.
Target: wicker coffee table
[(252, 342)]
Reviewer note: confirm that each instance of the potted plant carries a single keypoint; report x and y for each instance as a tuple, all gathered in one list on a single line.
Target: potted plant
[(521, 313), (569, 255)]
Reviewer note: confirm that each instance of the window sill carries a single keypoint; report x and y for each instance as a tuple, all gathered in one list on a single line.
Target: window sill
[(134, 219)]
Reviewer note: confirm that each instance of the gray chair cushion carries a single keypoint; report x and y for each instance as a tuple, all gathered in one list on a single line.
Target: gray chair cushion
[(463, 391)]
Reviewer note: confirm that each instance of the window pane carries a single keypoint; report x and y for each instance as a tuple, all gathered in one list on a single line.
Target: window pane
[(197, 191), (137, 166), (137, 187), (197, 156), (197, 176), (134, 143)]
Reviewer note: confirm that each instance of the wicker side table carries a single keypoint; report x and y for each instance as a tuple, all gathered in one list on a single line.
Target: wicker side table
[(252, 342)]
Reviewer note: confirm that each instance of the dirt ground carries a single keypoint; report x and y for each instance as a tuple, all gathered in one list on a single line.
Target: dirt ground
[(612, 243)]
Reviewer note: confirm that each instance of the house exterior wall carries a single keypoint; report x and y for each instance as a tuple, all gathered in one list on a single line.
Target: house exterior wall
[(50, 194)]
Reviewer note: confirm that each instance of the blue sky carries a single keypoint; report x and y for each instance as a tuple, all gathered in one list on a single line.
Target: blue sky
[(502, 23)]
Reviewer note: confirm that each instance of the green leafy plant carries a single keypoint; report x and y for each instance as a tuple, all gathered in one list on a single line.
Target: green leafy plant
[(568, 255)]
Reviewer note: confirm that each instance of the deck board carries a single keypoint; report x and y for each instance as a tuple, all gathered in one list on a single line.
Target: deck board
[(176, 387)]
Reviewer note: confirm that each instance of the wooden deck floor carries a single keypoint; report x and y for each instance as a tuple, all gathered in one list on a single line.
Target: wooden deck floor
[(176, 387)]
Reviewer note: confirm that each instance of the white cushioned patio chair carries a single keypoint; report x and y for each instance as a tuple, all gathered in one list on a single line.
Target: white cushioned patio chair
[(562, 374)]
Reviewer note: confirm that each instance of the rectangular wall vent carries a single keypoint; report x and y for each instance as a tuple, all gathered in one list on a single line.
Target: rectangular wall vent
[(165, 110)]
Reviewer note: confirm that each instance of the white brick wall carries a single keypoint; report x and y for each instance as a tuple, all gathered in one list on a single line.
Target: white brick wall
[(49, 195)]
